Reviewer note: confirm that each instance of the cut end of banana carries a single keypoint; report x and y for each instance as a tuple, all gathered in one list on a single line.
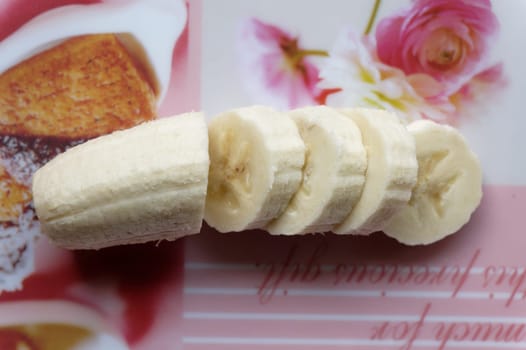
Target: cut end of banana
[(142, 184), (256, 156), (333, 173), (448, 190), (391, 170)]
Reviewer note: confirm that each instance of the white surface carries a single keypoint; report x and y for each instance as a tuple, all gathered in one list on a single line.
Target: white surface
[(497, 133)]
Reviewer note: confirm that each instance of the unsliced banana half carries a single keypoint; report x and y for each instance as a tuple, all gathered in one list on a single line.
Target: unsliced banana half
[(448, 190), (132, 186), (333, 174), (256, 161), (391, 170)]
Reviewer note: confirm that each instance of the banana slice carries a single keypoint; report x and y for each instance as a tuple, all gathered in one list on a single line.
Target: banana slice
[(333, 174), (391, 170), (132, 186), (256, 157), (449, 186)]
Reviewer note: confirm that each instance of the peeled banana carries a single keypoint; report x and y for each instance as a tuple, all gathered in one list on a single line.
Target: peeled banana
[(141, 184), (448, 190), (391, 171), (312, 169), (256, 157), (333, 174)]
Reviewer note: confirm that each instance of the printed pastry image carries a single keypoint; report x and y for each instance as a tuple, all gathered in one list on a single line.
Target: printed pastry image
[(14, 197), (55, 325), (66, 83), (86, 86)]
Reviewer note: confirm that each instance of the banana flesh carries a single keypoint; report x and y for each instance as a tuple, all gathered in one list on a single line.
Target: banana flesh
[(448, 190), (391, 171), (132, 186), (256, 157), (333, 174), (313, 169)]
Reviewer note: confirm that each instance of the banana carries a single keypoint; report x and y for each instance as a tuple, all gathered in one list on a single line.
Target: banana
[(333, 174), (314, 169), (132, 186), (256, 160), (391, 170), (448, 190)]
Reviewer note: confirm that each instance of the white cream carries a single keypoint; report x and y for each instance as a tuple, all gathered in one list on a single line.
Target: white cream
[(149, 29)]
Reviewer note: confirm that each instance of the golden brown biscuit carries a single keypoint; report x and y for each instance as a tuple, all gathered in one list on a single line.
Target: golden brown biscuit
[(14, 197), (84, 87)]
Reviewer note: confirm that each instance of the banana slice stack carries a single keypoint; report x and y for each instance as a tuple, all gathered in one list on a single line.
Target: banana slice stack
[(313, 169)]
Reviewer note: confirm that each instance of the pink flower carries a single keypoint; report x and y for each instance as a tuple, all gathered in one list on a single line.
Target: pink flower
[(476, 92), (363, 80), (274, 66), (448, 40)]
